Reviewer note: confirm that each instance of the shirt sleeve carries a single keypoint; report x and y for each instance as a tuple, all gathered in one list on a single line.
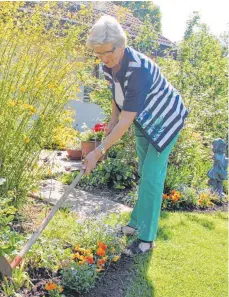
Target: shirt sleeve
[(138, 84)]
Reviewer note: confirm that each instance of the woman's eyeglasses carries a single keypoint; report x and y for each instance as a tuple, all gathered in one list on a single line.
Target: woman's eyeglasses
[(105, 54)]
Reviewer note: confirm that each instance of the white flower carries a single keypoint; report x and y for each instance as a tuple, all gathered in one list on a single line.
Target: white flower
[(2, 181)]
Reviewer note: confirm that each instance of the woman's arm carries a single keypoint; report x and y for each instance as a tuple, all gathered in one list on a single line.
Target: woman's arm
[(114, 118), (126, 119)]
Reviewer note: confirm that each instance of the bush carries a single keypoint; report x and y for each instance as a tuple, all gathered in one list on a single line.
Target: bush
[(40, 71), (9, 239), (189, 161)]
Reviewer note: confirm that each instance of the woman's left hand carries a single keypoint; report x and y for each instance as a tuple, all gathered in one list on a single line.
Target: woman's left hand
[(90, 162)]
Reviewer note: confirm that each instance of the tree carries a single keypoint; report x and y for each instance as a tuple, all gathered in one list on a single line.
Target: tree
[(143, 9)]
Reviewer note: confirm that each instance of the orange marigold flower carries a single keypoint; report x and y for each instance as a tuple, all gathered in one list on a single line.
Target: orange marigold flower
[(76, 256), (100, 252), (77, 247), (90, 260), (50, 286), (175, 197), (82, 262), (102, 261), (102, 245), (100, 268), (173, 192), (165, 196)]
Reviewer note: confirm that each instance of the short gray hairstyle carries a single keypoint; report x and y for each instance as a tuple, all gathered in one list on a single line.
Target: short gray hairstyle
[(107, 29)]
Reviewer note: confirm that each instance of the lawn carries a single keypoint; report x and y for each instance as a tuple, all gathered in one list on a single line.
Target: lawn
[(190, 259)]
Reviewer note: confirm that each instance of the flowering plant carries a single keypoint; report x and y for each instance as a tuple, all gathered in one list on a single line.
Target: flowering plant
[(94, 134), (54, 290), (87, 263)]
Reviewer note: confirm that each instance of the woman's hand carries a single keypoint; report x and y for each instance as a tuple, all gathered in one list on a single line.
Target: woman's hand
[(110, 126), (91, 161)]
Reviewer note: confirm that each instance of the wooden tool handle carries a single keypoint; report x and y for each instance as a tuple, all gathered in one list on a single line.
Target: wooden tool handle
[(45, 222)]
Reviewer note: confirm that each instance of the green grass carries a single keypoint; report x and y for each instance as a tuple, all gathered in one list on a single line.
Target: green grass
[(190, 260)]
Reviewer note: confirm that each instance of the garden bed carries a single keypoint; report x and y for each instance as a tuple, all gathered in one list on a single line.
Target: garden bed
[(112, 282)]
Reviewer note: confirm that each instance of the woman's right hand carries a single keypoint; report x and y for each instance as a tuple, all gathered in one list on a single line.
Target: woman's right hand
[(110, 126)]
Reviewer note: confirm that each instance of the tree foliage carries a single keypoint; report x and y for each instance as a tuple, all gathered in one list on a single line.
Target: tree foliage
[(143, 10)]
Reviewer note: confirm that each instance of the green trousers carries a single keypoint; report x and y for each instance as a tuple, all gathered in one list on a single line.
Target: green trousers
[(152, 168)]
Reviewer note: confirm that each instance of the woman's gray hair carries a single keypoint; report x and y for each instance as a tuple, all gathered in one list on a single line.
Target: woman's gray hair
[(107, 30)]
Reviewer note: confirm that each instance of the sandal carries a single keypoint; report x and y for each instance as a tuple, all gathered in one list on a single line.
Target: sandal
[(139, 247), (128, 230)]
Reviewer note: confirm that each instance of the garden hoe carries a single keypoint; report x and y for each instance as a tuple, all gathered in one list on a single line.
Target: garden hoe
[(6, 268)]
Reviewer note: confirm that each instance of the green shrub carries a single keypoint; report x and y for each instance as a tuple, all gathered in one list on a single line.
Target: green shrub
[(189, 162), (80, 278), (9, 239), (40, 71)]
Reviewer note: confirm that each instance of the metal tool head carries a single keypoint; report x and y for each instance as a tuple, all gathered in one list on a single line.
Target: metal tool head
[(5, 267)]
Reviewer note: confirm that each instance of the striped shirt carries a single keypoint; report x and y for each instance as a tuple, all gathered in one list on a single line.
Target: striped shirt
[(159, 106)]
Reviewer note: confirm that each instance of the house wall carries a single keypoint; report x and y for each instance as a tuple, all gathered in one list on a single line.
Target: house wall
[(86, 112)]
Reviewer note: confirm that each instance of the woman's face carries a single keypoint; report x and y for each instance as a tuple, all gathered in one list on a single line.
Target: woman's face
[(108, 54)]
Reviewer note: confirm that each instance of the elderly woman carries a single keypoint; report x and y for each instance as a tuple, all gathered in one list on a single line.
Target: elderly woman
[(141, 95)]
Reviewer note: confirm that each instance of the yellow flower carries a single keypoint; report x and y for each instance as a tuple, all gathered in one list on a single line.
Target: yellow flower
[(60, 289), (11, 103), (22, 89), (27, 139), (203, 196), (112, 250), (97, 61), (116, 258), (51, 86)]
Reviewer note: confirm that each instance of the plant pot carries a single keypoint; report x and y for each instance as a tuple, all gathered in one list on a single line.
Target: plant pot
[(74, 154), (89, 146)]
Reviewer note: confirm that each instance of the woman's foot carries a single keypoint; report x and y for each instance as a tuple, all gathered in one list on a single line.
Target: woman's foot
[(127, 230), (139, 247)]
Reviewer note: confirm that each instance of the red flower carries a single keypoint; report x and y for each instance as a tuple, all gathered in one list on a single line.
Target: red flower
[(89, 260), (99, 127)]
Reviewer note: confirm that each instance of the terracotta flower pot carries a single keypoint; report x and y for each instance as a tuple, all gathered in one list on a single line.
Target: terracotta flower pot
[(74, 154), (89, 146)]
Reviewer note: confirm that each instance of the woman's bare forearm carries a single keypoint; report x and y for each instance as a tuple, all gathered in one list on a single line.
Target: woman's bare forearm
[(115, 113), (126, 119)]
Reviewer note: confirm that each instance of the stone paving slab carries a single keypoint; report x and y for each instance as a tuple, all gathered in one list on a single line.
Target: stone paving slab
[(83, 203), (58, 161)]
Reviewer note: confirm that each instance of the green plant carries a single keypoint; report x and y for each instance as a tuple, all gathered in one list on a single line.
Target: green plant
[(112, 172), (9, 239), (7, 287), (21, 278), (189, 196), (80, 278)]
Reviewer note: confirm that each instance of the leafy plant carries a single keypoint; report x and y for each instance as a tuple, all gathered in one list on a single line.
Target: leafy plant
[(8, 238), (80, 278)]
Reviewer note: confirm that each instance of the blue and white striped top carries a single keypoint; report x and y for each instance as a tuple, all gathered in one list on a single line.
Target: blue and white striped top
[(159, 106)]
